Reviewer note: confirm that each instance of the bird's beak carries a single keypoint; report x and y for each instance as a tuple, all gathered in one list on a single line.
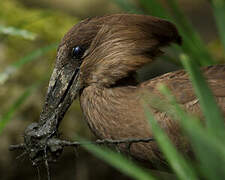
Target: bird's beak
[(63, 88)]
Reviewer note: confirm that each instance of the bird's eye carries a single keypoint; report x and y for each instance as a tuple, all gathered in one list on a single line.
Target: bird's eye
[(77, 52)]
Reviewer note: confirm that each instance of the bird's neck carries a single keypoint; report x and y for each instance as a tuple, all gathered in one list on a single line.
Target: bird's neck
[(103, 107)]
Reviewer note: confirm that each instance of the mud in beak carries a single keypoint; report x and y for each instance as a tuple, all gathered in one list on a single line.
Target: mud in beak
[(41, 139), (63, 88)]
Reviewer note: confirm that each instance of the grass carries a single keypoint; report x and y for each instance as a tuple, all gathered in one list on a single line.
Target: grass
[(120, 162), (177, 162), (17, 65), (208, 148), (17, 32), (219, 13), (212, 113), (8, 115)]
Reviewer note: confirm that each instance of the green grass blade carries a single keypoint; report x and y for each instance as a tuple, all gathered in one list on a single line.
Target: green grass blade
[(210, 109), (189, 47), (180, 166), (179, 16), (6, 117), (183, 22), (35, 54), (188, 30), (17, 32), (155, 8), (127, 6), (192, 43), (219, 13), (210, 150), (24, 60), (119, 162)]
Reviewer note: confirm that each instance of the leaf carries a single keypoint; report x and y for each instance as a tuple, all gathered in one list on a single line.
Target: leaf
[(127, 6), (210, 109), (155, 8), (7, 116), (219, 13), (177, 162), (192, 43), (119, 162), (191, 38), (209, 149), (17, 32), (11, 69)]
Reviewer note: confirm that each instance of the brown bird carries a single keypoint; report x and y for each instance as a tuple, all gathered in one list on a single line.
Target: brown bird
[(98, 59)]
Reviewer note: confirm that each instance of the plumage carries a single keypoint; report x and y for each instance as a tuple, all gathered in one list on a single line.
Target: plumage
[(117, 113)]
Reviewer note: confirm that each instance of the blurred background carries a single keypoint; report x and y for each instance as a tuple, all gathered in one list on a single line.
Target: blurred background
[(29, 33)]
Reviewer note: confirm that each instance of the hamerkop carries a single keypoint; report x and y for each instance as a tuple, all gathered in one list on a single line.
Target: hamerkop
[(98, 59)]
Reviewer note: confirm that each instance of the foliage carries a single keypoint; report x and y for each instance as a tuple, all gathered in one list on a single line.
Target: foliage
[(28, 46), (120, 162), (7, 116), (40, 22), (219, 13), (17, 32)]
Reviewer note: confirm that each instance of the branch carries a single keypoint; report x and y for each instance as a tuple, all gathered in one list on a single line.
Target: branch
[(64, 143)]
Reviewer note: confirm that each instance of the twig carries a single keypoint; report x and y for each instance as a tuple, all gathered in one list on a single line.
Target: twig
[(54, 142), (38, 173), (17, 146), (21, 155), (100, 142), (129, 140), (46, 163)]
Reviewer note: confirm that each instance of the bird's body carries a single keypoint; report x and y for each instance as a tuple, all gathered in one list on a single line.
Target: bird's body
[(117, 112), (98, 59)]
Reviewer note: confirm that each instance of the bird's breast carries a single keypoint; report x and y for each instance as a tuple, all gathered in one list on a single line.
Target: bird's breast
[(117, 113), (113, 112)]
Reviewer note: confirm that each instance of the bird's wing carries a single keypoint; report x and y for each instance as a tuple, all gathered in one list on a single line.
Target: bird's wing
[(180, 85)]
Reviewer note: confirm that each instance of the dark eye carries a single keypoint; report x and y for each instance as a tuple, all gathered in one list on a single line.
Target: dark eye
[(77, 52)]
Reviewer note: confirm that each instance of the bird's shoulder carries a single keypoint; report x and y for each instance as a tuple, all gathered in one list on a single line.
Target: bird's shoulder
[(179, 83)]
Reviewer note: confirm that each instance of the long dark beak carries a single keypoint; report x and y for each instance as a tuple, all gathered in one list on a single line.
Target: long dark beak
[(39, 137), (63, 88)]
